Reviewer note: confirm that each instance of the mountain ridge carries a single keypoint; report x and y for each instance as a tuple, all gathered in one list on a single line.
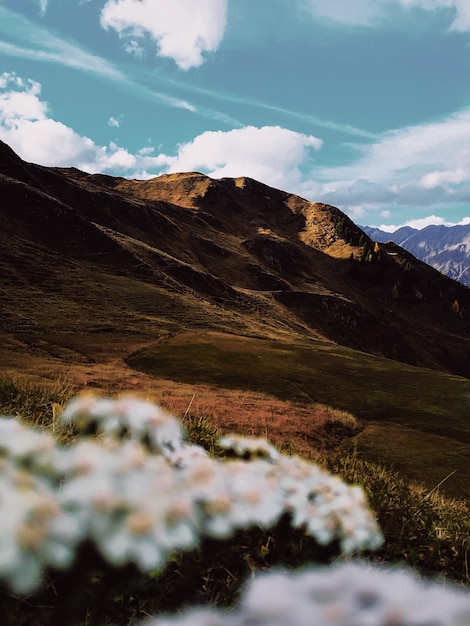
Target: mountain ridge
[(83, 252)]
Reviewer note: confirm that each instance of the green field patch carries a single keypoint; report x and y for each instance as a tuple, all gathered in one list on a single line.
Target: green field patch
[(440, 463), (415, 419), (372, 388)]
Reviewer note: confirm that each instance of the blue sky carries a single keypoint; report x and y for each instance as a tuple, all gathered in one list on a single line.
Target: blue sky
[(363, 104)]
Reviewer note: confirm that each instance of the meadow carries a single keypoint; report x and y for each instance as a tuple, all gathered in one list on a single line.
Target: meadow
[(408, 414)]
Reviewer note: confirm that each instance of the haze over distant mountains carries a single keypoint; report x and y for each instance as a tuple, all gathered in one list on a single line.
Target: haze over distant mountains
[(447, 248)]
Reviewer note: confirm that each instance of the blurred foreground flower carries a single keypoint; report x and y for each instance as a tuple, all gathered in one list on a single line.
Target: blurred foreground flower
[(138, 493), (345, 595)]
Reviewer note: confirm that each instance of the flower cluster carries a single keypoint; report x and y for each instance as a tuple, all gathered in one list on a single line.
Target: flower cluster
[(222, 497), (346, 595), (138, 492), (134, 507), (28, 507), (126, 418)]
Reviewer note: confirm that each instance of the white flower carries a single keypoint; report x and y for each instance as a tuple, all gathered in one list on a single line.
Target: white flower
[(249, 446), (28, 543), (139, 493), (345, 595), (26, 447), (186, 455), (326, 507), (127, 418), (135, 507), (239, 495)]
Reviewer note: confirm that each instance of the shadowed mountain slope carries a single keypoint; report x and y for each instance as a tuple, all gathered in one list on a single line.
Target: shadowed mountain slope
[(85, 256)]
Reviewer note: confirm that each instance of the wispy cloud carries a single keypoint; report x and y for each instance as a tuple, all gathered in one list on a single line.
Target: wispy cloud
[(368, 13), (61, 55), (305, 118), (39, 44), (346, 12), (345, 129), (416, 166), (45, 46), (36, 42), (43, 6), (114, 122), (72, 56)]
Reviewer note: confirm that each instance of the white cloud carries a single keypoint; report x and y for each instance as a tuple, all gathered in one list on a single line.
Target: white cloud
[(437, 179), (182, 30), (273, 155), (43, 6), (356, 213), (26, 127), (114, 122), (133, 47), (430, 220), (414, 166), (420, 223), (270, 154)]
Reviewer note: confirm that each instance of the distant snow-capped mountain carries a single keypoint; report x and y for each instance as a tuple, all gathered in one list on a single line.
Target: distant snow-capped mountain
[(447, 248)]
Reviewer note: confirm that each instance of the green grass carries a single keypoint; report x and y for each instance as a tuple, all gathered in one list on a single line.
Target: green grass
[(424, 530), (405, 409), (374, 387), (33, 404)]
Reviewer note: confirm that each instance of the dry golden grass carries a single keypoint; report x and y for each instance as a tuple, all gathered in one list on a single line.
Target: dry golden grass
[(305, 428)]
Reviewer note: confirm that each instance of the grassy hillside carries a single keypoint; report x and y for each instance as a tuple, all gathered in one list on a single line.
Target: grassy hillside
[(414, 418)]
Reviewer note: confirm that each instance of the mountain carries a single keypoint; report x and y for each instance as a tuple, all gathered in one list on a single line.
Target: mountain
[(92, 263), (447, 248), (398, 237)]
